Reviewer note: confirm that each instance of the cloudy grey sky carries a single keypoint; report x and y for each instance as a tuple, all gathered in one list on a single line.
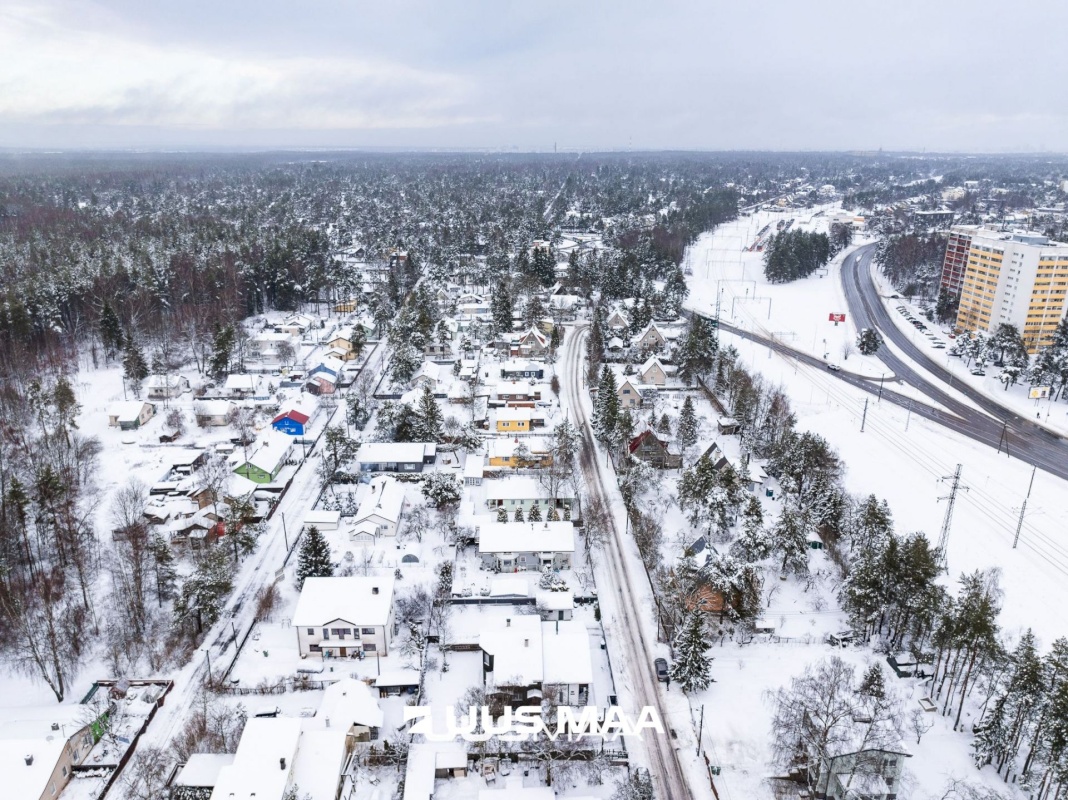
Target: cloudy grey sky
[(772, 74)]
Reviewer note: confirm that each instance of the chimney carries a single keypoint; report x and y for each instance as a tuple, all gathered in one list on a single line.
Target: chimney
[(29, 761), (374, 590), (508, 622), (282, 763), (55, 726)]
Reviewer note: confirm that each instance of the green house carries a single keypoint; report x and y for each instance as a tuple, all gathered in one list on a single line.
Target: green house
[(264, 465)]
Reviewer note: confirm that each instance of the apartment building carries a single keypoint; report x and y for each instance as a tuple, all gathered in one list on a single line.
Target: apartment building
[(1018, 278)]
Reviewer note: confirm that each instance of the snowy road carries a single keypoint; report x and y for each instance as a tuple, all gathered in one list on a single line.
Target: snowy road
[(1029, 441), (636, 666), (259, 570)]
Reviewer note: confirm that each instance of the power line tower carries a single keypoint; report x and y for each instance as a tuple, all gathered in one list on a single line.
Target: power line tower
[(943, 537)]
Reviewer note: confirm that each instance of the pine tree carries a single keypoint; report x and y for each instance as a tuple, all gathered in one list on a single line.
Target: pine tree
[(134, 366), (111, 335), (163, 567), (535, 514), (314, 559), (222, 349), (502, 514), (692, 669), (428, 428), (869, 341), (501, 308), (606, 409), (687, 430), (788, 538), (518, 514)]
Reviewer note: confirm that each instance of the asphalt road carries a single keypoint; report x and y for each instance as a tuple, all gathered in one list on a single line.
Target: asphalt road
[(1027, 441), (669, 777)]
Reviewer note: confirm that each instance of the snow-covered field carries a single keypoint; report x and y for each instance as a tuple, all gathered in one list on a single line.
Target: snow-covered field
[(904, 459)]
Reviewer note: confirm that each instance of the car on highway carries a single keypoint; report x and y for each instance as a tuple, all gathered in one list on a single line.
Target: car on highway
[(938, 346), (661, 669), (834, 368), (978, 372)]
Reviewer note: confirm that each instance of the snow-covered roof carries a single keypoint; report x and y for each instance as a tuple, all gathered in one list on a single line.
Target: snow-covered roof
[(353, 599), (521, 414), (527, 537), (127, 410), (202, 769), (29, 780), (385, 499), (391, 452), (350, 703), (322, 517), (512, 586), (212, 408), (271, 453), (504, 447), (163, 381), (519, 487), (241, 382), (515, 644), (565, 649), (397, 677), (556, 601), (319, 761), (518, 793), (256, 771)]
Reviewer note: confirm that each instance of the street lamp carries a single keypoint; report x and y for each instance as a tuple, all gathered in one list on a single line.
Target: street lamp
[(207, 655), (285, 534)]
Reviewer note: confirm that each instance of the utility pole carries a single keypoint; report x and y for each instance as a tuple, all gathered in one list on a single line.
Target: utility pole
[(1023, 508), (881, 377), (700, 729), (1004, 437), (908, 416), (943, 537), (864, 418)]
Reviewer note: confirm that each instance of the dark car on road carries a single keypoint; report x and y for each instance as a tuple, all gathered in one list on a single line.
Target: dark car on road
[(661, 669)]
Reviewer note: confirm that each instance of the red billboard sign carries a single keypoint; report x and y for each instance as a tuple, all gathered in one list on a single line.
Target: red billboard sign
[(836, 317)]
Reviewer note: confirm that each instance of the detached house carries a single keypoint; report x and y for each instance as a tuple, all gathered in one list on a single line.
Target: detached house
[(617, 322), (525, 659), (655, 450), (395, 456), (635, 395), (531, 343), (212, 413), (525, 493), (652, 372), (523, 546), (513, 420), (267, 461), (129, 415), (522, 369), (293, 420), (166, 387), (650, 339), (341, 617), (381, 511)]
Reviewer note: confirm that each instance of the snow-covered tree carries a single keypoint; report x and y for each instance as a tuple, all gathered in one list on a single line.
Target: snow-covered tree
[(606, 407), (313, 560), (134, 366), (637, 786), (869, 341), (692, 668), (428, 419), (441, 489), (687, 430), (790, 540)]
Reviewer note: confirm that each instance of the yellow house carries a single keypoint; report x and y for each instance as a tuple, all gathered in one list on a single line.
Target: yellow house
[(502, 452), (513, 420)]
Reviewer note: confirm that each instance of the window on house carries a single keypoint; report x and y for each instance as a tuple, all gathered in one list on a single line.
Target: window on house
[(368, 631), (369, 648), (311, 631), (326, 633), (315, 648)]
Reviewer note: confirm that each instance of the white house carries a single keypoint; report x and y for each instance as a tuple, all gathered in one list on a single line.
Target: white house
[(523, 658), (351, 706), (383, 507), (241, 385), (526, 492), (340, 617), (395, 456), (652, 372), (166, 387), (521, 546), (322, 520), (212, 413), (129, 415)]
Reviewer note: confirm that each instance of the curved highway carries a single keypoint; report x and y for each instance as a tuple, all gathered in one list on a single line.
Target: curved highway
[(1034, 443)]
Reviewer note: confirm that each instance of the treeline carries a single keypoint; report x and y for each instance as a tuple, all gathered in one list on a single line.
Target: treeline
[(912, 262), (793, 254)]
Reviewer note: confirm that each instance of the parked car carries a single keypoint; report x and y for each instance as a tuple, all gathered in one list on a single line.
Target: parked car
[(978, 372), (661, 669), (267, 711)]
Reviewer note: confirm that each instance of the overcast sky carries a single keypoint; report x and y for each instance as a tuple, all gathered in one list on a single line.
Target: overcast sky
[(707, 74)]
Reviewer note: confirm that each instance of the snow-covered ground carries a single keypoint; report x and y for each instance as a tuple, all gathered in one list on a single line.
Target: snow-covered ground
[(900, 457)]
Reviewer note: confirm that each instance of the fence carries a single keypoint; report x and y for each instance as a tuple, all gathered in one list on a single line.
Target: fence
[(124, 760)]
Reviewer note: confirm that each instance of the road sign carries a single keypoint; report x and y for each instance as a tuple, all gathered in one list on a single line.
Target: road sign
[(1038, 393), (836, 317)]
